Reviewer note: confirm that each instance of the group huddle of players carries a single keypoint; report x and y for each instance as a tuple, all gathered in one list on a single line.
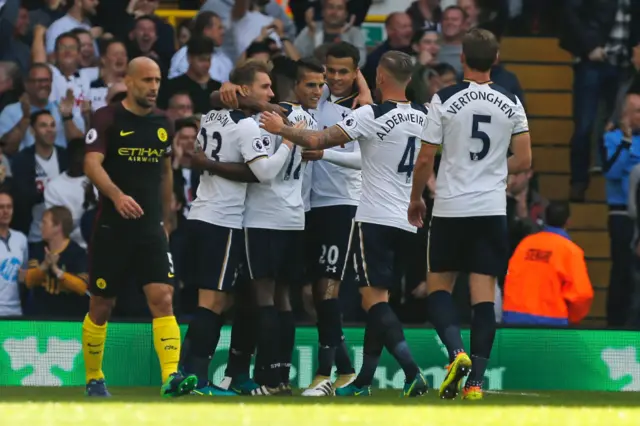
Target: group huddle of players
[(295, 194)]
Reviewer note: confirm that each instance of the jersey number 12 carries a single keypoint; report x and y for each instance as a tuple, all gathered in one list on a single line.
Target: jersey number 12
[(408, 158), (217, 139), (476, 133)]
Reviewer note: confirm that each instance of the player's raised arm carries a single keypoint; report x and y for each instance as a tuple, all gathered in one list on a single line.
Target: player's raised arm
[(234, 96), (96, 147), (266, 168), (520, 161), (340, 134), (350, 160)]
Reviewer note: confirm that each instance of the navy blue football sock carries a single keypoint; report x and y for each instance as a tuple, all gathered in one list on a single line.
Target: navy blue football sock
[(483, 332), (443, 316), (267, 370), (202, 336), (287, 332), (243, 342)]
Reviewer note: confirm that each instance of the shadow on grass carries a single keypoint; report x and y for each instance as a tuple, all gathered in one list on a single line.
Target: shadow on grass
[(148, 395)]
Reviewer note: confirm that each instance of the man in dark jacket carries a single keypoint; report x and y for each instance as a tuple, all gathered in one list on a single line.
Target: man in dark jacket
[(599, 34)]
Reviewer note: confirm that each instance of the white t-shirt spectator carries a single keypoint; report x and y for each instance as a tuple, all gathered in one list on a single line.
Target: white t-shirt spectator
[(220, 69), (14, 255), (11, 115), (80, 83), (68, 192), (247, 29), (61, 26), (46, 170)]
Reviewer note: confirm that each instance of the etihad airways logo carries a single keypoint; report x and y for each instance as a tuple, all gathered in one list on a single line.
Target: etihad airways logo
[(142, 155)]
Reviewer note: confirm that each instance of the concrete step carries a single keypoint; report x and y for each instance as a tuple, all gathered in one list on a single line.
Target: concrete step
[(549, 104), (594, 243), (586, 216), (551, 159), (543, 77), (556, 186), (548, 131), (599, 272)]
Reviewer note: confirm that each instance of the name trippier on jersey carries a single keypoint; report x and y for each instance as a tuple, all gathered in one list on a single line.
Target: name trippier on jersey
[(473, 95), (395, 120)]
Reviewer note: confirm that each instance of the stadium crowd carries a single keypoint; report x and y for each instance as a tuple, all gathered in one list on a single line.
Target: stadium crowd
[(63, 60)]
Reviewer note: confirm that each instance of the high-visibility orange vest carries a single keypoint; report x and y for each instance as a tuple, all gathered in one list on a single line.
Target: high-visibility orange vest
[(547, 279)]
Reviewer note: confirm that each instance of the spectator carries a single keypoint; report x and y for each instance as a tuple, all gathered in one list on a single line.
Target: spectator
[(305, 12), (598, 35), (622, 155), (68, 189), (88, 54), (333, 28), (10, 83), (453, 29), (116, 93), (472, 10), (224, 9), (447, 74), (426, 45), (14, 256), (179, 106), (525, 208), (209, 25), (633, 83), (508, 80), (259, 51), (143, 42), (425, 15), (89, 207), (57, 271), (165, 45), (15, 118), (18, 48), (33, 168), (197, 81), (113, 67), (51, 11), (77, 17), (183, 33), (399, 35), (548, 283), (67, 74), (185, 179)]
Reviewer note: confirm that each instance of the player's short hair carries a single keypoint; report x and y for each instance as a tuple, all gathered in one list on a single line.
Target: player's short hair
[(306, 65), (203, 21), (60, 215), (75, 147), (398, 64), (557, 213), (480, 48), (33, 119), (183, 123), (245, 73), (343, 50), (199, 46), (62, 36)]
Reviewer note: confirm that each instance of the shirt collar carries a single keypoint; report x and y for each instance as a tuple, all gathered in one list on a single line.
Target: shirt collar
[(557, 231)]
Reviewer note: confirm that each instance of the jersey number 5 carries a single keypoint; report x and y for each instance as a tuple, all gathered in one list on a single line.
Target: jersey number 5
[(476, 133), (408, 158), (217, 139)]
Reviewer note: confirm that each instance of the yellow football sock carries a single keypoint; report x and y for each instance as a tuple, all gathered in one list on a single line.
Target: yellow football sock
[(93, 338), (166, 339)]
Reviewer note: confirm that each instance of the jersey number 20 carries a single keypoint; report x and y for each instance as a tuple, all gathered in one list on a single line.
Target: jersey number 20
[(408, 158), (217, 139), (476, 133)]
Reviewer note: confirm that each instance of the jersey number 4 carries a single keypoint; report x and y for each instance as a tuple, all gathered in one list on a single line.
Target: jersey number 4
[(217, 144), (476, 133), (408, 159)]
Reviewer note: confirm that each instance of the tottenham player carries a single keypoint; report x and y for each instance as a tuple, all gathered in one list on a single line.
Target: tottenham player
[(389, 135), (216, 241), (476, 122), (335, 191)]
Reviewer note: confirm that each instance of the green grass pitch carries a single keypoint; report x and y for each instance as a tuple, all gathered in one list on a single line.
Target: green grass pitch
[(23, 406)]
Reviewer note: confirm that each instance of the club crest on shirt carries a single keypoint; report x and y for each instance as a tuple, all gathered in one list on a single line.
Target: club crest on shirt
[(92, 136), (266, 141), (162, 135), (257, 145)]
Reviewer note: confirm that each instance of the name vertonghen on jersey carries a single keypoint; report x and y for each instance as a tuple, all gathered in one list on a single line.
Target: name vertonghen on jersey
[(399, 118), (473, 95)]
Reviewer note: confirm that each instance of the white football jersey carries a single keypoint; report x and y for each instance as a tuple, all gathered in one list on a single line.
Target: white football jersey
[(334, 185), (474, 123), (278, 204), (389, 136), (228, 136)]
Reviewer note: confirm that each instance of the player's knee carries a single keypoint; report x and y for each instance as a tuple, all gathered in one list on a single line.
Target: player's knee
[(482, 288), (372, 296), (440, 281), (308, 302), (326, 289), (160, 300), (100, 309), (215, 301), (282, 299), (264, 291)]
